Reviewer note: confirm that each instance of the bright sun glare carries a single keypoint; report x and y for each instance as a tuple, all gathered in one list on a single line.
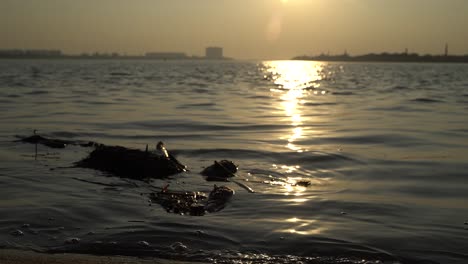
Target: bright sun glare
[(293, 81)]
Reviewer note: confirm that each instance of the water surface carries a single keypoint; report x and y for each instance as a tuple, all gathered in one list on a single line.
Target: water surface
[(384, 146)]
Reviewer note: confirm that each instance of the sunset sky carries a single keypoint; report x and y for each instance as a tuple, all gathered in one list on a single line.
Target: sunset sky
[(246, 29)]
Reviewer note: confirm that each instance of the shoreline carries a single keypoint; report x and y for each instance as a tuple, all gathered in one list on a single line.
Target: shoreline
[(15, 256)]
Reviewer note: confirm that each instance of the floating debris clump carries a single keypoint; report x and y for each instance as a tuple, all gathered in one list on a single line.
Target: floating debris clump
[(131, 163), (193, 203)]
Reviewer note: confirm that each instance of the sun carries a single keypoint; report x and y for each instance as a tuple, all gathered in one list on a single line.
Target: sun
[(284, 1)]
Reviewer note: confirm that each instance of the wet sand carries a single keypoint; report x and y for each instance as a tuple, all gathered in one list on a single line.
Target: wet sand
[(27, 257)]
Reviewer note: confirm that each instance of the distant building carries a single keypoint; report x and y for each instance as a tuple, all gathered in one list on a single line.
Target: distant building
[(214, 53), (166, 55)]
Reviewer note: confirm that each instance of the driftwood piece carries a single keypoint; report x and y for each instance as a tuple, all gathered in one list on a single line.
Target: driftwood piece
[(131, 163)]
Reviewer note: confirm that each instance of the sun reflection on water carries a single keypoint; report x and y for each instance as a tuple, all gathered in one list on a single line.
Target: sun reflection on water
[(292, 186), (294, 80), (296, 83), (294, 74), (303, 226)]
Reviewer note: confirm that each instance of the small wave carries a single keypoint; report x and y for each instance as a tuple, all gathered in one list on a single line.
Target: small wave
[(5, 102), (399, 88), (426, 100), (259, 97), (201, 90), (320, 250), (323, 157), (319, 104), (193, 84), (460, 130), (65, 134), (203, 105), (385, 139), (440, 192), (265, 172), (190, 125), (38, 92), (343, 93), (306, 158), (120, 74), (226, 152), (121, 100), (89, 102), (312, 87), (20, 84), (398, 108)]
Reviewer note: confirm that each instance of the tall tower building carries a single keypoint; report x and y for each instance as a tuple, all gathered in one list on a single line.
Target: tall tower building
[(214, 53), (446, 49)]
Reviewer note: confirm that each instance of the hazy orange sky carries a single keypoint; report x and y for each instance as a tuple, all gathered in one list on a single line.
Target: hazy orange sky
[(246, 29)]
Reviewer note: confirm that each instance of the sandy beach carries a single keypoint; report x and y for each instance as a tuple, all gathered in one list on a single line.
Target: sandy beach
[(8, 256)]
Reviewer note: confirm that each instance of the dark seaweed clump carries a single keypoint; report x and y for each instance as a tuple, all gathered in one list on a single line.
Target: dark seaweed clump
[(130, 163), (193, 203), (220, 170), (188, 203)]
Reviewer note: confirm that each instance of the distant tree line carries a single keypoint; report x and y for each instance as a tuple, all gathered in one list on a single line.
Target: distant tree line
[(57, 54), (387, 57), (30, 53)]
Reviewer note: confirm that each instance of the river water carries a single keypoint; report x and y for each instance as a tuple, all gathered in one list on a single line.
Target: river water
[(384, 147)]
